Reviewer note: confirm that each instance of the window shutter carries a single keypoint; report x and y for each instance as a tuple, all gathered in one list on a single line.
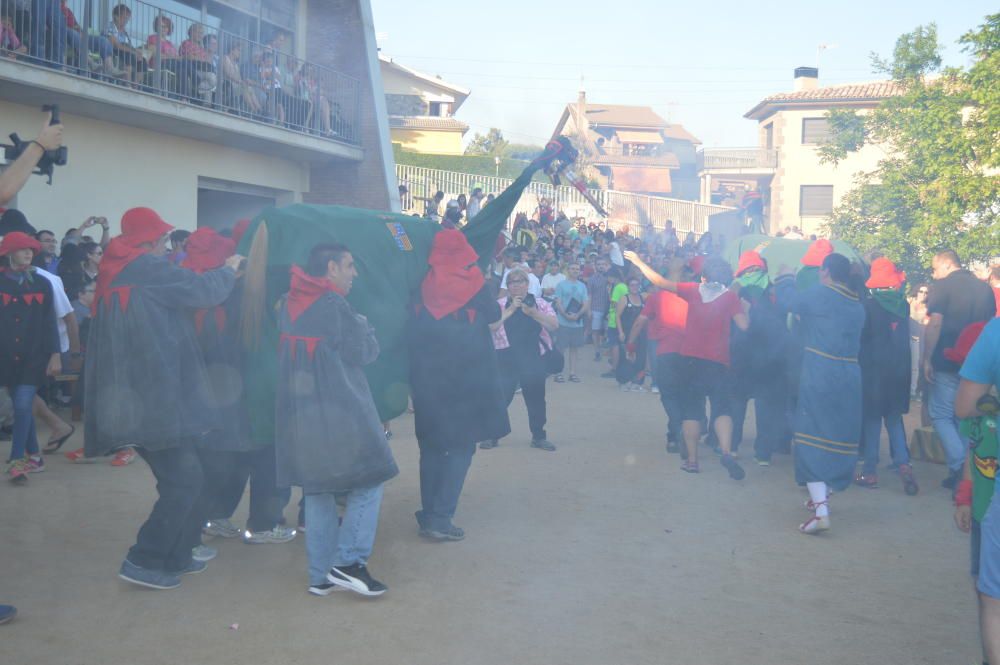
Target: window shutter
[(815, 200), (815, 131)]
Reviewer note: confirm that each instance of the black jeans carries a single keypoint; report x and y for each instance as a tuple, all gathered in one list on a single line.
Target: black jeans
[(770, 397), (173, 528), (442, 476), (664, 368), (226, 475), (531, 377)]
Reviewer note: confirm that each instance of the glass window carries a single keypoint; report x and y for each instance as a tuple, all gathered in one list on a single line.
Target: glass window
[(815, 200), (815, 131)]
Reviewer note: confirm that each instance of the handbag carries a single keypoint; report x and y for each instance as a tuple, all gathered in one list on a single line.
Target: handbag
[(552, 359)]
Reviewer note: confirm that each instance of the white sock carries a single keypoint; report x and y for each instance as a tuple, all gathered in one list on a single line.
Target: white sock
[(817, 492)]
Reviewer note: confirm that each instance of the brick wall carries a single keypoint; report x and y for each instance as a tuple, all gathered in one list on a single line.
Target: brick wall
[(335, 39)]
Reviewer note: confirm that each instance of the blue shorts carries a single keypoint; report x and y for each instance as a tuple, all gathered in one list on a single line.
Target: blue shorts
[(989, 552), (598, 321)]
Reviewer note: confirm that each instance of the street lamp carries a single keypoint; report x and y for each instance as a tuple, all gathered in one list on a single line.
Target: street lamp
[(496, 160)]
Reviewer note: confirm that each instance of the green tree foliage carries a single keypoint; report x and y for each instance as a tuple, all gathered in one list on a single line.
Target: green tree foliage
[(492, 144), (938, 184)]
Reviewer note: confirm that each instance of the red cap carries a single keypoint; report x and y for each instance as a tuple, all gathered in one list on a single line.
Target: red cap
[(239, 229), (750, 259), (885, 275), (817, 251), (207, 250), (697, 264), (16, 240), (451, 248), (966, 340), (141, 225)]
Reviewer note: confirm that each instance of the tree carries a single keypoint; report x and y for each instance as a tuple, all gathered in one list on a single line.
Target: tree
[(939, 184), (492, 144)]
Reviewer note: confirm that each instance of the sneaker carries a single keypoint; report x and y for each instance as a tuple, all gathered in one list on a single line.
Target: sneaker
[(221, 528), (736, 471), (124, 457), (869, 480), (193, 568), (637, 388), (559, 378), (356, 578), (761, 461), (324, 589), (624, 387), (690, 467), (655, 390), (452, 533), (489, 444), (279, 534), (36, 464), (151, 579), (7, 614), (17, 471), (597, 356), (204, 553), (542, 444), (77, 457), (815, 524), (608, 375), (951, 481), (909, 482), (672, 446)]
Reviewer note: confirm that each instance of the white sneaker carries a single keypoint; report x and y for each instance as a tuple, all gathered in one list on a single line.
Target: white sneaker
[(655, 390), (221, 528), (204, 553), (279, 534)]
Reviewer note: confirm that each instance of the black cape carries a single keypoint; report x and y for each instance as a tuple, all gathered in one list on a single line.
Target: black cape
[(885, 360)]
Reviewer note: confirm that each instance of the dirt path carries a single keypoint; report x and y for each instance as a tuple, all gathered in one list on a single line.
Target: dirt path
[(601, 553)]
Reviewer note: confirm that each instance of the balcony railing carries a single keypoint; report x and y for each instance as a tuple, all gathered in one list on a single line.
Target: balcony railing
[(209, 68), (739, 158)]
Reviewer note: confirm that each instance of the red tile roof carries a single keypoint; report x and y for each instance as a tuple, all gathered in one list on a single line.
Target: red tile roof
[(872, 91), (427, 123)]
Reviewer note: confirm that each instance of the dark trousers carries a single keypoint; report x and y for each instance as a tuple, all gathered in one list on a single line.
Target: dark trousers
[(442, 476), (770, 398), (174, 526), (663, 369), (531, 378), (226, 476)]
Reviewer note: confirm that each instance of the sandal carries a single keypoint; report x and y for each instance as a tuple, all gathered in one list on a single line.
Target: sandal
[(559, 378), (574, 378), (54, 445)]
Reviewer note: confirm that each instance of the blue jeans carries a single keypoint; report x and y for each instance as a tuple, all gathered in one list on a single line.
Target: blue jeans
[(942, 410), (95, 43), (442, 476), (47, 13), (329, 543), (871, 431), (24, 439)]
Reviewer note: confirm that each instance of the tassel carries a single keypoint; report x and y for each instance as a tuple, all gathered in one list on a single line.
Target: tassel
[(254, 289)]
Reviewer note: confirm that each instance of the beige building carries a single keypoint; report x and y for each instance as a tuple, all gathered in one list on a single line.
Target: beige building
[(798, 190), (206, 157), (422, 109)]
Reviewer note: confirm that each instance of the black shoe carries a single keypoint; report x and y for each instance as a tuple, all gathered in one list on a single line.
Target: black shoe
[(736, 471), (488, 444), (452, 533), (672, 446), (542, 444), (357, 579), (951, 481)]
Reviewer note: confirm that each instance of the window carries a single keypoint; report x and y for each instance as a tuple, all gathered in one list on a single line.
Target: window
[(815, 131), (815, 200)]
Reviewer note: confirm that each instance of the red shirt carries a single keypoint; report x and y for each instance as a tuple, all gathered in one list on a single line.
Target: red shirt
[(996, 296), (667, 314), (708, 323)]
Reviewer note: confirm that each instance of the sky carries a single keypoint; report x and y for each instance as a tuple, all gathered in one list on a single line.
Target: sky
[(700, 64)]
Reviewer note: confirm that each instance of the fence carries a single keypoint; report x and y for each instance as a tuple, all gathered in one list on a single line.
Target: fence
[(634, 212), (134, 44), (738, 158)]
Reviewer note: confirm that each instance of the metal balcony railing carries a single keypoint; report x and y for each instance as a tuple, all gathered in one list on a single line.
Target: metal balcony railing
[(738, 158), (144, 47)]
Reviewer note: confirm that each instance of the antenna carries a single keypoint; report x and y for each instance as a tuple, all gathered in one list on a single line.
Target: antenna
[(823, 47)]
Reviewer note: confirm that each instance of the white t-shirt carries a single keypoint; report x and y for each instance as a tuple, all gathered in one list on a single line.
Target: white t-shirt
[(472, 209), (550, 281), (616, 255), (61, 304), (534, 286)]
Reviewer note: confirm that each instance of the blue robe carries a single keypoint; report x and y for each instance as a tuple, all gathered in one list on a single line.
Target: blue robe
[(828, 418)]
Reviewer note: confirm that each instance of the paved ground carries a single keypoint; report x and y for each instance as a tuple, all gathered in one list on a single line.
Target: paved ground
[(601, 553)]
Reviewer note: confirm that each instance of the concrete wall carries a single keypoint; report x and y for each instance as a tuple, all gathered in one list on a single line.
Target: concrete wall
[(113, 168), (429, 142), (800, 165)]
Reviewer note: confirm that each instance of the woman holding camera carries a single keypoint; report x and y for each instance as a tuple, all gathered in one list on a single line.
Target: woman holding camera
[(520, 337)]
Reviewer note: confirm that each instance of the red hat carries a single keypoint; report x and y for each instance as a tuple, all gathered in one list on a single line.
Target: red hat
[(451, 248), (16, 240), (239, 229), (966, 340), (750, 259), (817, 251), (697, 264), (207, 250), (885, 275), (140, 225)]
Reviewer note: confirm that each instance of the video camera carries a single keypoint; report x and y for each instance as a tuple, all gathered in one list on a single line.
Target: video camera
[(49, 160)]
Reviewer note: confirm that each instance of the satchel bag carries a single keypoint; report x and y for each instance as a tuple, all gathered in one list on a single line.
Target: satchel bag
[(552, 359)]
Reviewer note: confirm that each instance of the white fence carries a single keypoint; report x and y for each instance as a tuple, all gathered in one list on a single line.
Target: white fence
[(625, 210)]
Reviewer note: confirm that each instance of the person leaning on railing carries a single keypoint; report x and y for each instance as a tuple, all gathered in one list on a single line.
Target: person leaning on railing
[(236, 89), (201, 78), (130, 57), (99, 44), (10, 44)]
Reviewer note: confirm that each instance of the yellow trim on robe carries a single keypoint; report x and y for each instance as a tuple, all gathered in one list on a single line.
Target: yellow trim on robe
[(831, 357), (831, 450), (819, 438)]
